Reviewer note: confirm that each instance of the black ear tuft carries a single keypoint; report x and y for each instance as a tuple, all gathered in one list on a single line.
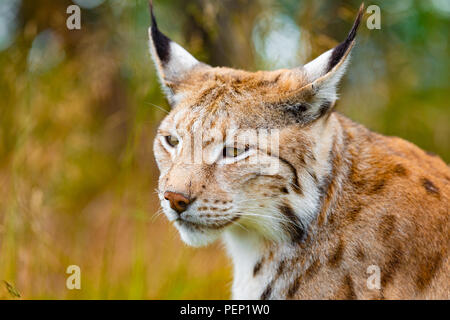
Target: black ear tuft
[(341, 49), (160, 41)]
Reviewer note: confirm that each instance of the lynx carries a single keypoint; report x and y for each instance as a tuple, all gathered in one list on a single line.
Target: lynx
[(337, 200)]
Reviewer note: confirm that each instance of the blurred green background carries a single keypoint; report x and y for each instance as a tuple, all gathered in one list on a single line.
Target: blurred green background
[(78, 116)]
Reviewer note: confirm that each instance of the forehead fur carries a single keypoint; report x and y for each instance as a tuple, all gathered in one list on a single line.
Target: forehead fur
[(249, 99)]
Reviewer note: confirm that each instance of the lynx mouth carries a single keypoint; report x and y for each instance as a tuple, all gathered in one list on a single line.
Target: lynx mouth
[(194, 226)]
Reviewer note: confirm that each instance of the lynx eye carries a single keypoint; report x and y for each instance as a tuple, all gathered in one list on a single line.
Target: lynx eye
[(229, 152), (171, 140)]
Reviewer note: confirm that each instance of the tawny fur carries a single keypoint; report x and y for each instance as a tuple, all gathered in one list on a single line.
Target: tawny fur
[(344, 198)]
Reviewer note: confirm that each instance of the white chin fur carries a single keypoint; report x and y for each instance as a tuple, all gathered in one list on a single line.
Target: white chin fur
[(198, 238)]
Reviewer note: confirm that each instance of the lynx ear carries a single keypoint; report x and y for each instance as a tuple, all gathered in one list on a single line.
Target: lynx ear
[(324, 72), (173, 63)]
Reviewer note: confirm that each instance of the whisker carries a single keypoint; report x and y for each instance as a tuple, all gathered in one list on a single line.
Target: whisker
[(157, 214), (264, 223), (160, 108), (258, 199), (284, 220)]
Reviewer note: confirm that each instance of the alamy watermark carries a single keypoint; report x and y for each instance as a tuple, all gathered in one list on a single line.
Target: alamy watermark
[(374, 280), (74, 20), (74, 280), (252, 147), (374, 19)]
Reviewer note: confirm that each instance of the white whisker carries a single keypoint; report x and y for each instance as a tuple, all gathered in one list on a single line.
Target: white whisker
[(156, 106)]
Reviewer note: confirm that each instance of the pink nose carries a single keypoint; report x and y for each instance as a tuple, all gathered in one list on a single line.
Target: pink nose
[(178, 202)]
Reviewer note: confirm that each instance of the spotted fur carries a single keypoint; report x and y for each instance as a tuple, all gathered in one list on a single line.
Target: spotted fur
[(343, 198)]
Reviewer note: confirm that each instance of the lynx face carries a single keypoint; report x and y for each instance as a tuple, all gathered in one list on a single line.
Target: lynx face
[(226, 171), (230, 181), (242, 150)]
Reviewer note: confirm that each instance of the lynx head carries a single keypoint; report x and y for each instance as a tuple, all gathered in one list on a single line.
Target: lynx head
[(243, 151)]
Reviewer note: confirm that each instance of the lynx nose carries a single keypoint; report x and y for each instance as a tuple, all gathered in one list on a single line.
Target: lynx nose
[(178, 202)]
